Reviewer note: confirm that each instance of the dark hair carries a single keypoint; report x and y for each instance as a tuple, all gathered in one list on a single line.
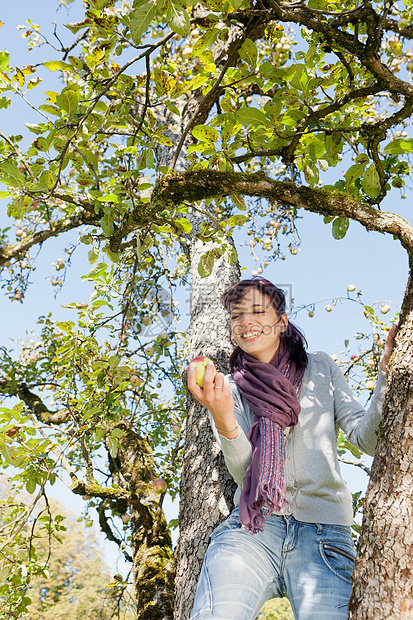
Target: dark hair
[(293, 338)]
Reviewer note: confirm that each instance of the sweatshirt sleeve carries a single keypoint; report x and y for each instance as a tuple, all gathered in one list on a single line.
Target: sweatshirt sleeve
[(360, 425), (237, 452)]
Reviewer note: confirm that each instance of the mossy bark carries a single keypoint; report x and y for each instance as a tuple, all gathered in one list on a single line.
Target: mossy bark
[(153, 561)]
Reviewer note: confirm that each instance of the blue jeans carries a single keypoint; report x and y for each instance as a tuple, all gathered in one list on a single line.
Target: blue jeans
[(309, 563)]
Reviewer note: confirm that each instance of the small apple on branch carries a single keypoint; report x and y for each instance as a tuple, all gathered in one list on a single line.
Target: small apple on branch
[(200, 363)]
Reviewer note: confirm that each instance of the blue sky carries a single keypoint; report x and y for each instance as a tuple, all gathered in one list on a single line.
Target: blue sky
[(321, 270)]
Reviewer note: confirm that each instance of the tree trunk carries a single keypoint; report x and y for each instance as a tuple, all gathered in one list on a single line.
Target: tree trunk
[(206, 486), (153, 561), (383, 577)]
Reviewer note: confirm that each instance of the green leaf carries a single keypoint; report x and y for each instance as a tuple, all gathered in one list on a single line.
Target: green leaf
[(230, 255), (97, 270), (7, 454), (248, 52), (11, 175), (31, 485), (98, 434), (180, 20), (140, 21), (354, 451), (362, 158), (399, 146), (113, 361), (50, 109), (93, 255), (118, 432), (4, 102), (206, 264), (75, 27), (162, 6), (184, 224), (239, 201), (109, 198), (68, 100), (114, 256), (107, 224), (34, 128), (250, 116), (237, 220), (19, 206), (113, 445), (205, 133), (340, 227), (371, 181), (354, 172)]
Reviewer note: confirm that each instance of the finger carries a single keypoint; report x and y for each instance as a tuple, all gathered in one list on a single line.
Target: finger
[(192, 384), (219, 380), (209, 379), (390, 340)]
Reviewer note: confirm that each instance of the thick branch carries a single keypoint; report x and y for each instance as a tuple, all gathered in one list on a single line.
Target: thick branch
[(194, 186), (34, 403), (315, 21), (56, 228)]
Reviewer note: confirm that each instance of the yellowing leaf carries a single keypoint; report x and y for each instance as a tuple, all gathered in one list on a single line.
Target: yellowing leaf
[(164, 82), (206, 264), (205, 133), (20, 76), (214, 5), (19, 206), (56, 65), (204, 42), (68, 100)]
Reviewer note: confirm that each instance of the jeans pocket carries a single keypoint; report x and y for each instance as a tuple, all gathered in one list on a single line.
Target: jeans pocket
[(339, 557)]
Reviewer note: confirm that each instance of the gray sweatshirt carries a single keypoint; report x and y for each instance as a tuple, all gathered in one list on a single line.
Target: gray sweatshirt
[(316, 492)]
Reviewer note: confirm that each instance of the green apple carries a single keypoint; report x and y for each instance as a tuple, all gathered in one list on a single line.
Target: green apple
[(200, 363)]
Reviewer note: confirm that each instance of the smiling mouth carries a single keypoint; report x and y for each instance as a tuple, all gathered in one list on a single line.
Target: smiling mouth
[(251, 335)]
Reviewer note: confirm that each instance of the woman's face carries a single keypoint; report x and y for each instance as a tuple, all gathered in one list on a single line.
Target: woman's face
[(255, 325)]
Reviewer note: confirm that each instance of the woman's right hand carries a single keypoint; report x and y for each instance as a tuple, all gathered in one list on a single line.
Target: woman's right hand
[(216, 398)]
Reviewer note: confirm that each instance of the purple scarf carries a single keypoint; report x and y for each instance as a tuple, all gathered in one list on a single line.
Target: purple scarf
[(271, 391)]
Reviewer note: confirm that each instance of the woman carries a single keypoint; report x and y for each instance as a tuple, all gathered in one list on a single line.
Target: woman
[(276, 418)]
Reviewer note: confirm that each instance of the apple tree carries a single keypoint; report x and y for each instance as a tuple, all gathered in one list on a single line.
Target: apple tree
[(176, 122)]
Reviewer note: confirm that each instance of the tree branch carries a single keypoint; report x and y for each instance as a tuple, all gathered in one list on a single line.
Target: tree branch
[(194, 186), (9, 252)]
